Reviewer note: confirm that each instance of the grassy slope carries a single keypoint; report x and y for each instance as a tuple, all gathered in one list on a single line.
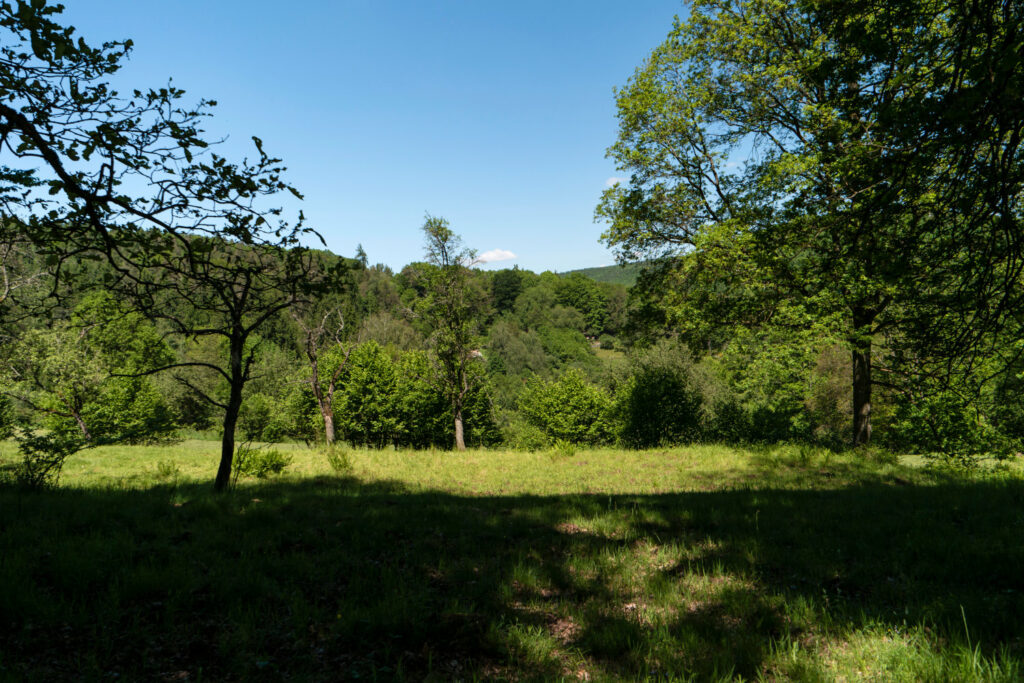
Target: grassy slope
[(699, 562)]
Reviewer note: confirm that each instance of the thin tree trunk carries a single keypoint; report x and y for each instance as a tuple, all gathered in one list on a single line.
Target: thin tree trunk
[(227, 444), (81, 426), (861, 355), (460, 440)]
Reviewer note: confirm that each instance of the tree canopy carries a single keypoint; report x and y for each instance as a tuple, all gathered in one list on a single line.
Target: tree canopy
[(847, 159)]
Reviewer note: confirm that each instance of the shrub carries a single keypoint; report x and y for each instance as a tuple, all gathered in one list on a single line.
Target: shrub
[(43, 457), (568, 408), (368, 413), (258, 462), (262, 418), (660, 403), (339, 460), (945, 424), (129, 410), (524, 436)]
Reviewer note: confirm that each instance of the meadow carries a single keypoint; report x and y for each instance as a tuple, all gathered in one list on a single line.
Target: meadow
[(691, 563)]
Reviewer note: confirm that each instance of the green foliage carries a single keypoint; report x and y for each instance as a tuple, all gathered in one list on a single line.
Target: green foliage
[(260, 463), (563, 448), (565, 345), (506, 285), (770, 168), (6, 418), (946, 425), (129, 410), (568, 408), (367, 412), (339, 460), (660, 403), (588, 298), (264, 418), (167, 470), (514, 351), (43, 456), (426, 413)]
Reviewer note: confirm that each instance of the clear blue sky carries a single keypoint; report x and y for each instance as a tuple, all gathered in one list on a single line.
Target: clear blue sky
[(494, 115)]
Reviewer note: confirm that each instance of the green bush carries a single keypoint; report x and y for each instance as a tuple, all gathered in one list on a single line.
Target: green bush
[(129, 410), (522, 435), (568, 408), (339, 460), (259, 462), (263, 418), (426, 416), (367, 411), (660, 403), (945, 424), (43, 456)]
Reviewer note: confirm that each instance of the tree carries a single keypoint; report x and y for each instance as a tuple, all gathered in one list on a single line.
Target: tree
[(73, 374), (848, 159), (322, 342), (506, 285), (211, 287), (194, 226), (450, 311), (73, 145)]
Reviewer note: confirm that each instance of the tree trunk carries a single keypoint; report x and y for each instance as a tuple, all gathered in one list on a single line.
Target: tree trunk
[(862, 392), (227, 444), (460, 440), (328, 424)]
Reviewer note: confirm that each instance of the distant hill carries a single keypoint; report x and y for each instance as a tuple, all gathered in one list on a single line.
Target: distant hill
[(622, 275)]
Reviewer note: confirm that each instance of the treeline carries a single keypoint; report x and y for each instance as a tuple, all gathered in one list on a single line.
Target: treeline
[(552, 359)]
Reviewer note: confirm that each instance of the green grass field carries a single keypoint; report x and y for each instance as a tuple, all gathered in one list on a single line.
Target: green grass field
[(702, 563)]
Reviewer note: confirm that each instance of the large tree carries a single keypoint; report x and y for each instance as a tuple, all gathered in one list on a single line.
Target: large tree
[(853, 159)]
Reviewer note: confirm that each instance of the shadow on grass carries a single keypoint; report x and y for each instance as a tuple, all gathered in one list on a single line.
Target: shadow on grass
[(330, 579)]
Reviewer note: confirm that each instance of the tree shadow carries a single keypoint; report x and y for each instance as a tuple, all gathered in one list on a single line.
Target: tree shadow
[(335, 578)]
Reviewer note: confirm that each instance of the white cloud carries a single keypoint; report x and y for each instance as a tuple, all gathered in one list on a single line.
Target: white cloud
[(496, 255), (614, 179)]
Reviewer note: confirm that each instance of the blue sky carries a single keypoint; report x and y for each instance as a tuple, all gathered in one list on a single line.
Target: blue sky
[(493, 115)]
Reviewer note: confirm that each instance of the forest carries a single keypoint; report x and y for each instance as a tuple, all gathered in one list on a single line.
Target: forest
[(781, 439)]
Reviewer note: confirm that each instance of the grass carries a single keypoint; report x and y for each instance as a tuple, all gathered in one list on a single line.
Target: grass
[(703, 563)]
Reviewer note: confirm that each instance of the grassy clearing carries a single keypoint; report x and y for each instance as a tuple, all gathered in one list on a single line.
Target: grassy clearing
[(701, 563)]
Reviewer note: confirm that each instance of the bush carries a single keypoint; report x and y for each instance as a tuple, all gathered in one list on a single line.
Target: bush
[(339, 460), (660, 403), (368, 413), (568, 408), (259, 463), (524, 436), (262, 418), (944, 424), (129, 410), (606, 342), (43, 457)]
